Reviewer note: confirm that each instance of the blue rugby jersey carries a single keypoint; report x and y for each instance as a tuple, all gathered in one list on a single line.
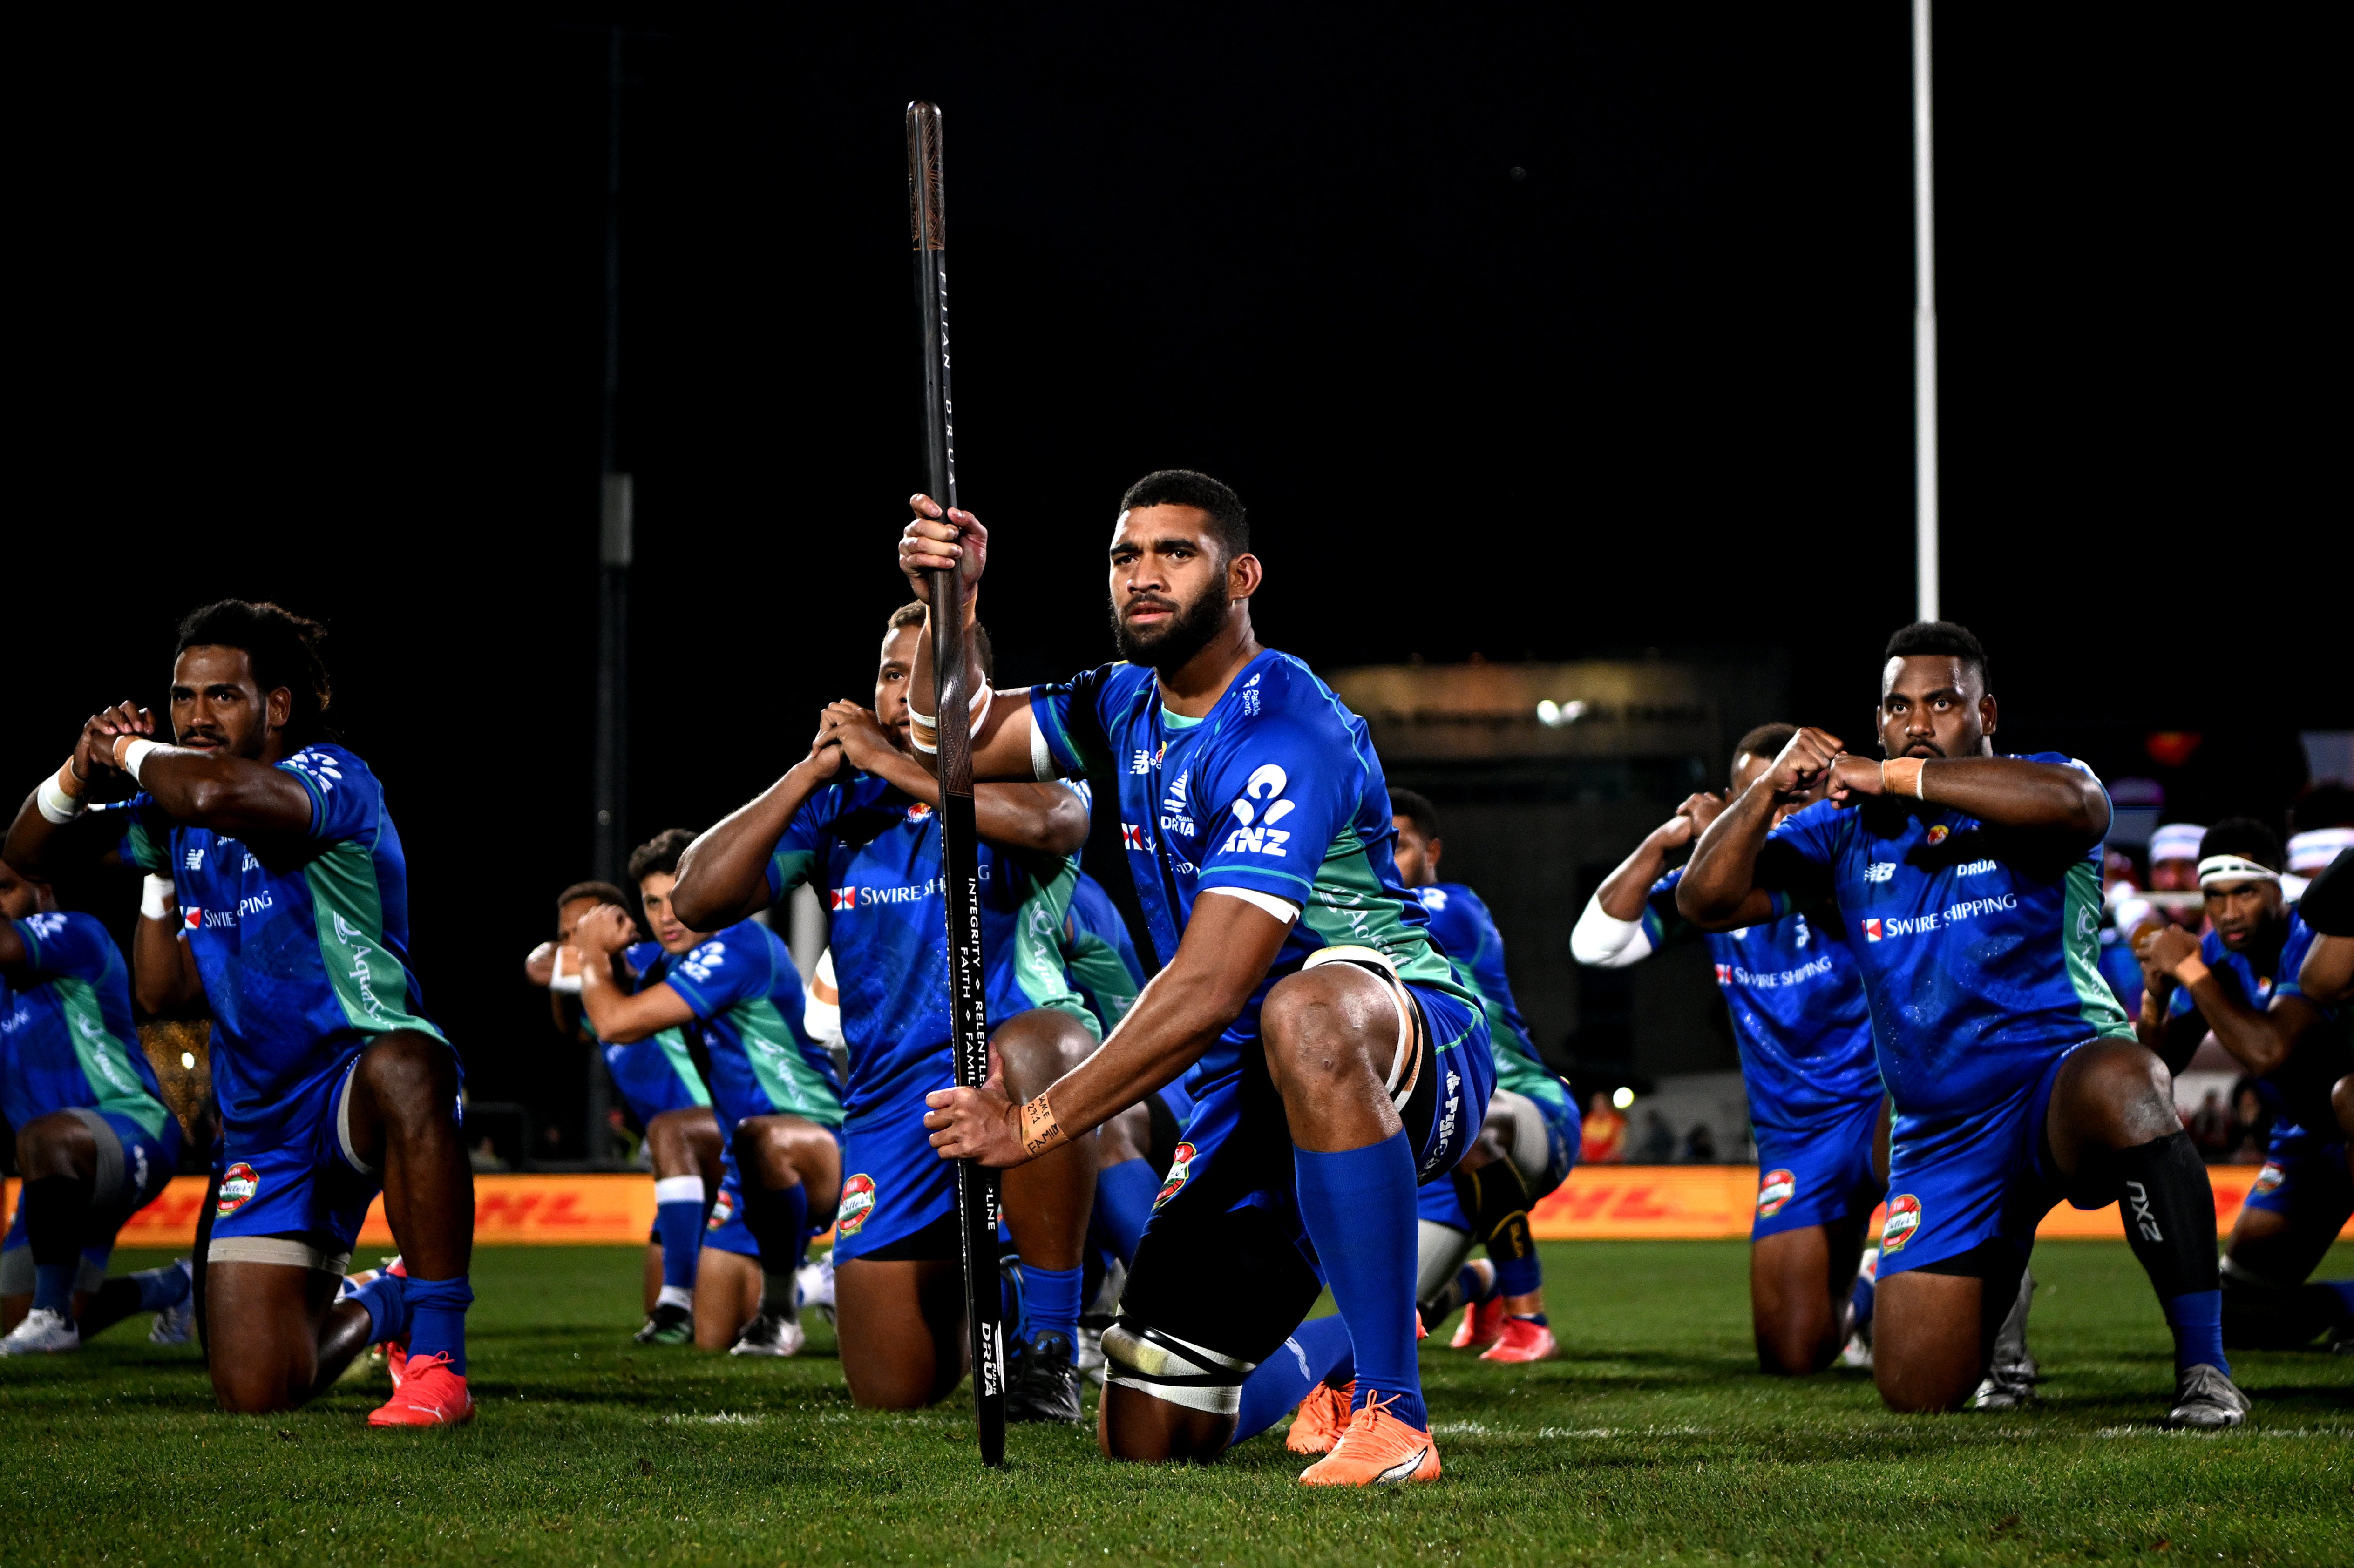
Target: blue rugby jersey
[(1276, 790), (1797, 1004), (1460, 921), (66, 1039), (875, 852), (2299, 1089), (1978, 946), (1101, 954), (747, 1000), (302, 941), (657, 1074)]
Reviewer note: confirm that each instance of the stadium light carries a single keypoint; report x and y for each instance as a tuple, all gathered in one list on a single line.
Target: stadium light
[(1554, 714), (1622, 1097)]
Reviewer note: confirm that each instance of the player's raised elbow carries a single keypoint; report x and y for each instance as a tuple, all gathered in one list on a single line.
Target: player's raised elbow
[(1703, 904), (1064, 829)]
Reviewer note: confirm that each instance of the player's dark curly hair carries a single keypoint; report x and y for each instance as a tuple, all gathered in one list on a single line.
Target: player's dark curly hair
[(602, 892), (912, 614), (1415, 808), (1229, 520), (659, 853), (1949, 638), (1766, 741), (282, 647), (2246, 837)]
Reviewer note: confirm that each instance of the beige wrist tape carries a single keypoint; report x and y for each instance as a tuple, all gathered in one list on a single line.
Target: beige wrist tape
[(1040, 1130), (1901, 776)]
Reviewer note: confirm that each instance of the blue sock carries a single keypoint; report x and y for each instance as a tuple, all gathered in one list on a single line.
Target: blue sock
[(678, 1221), (385, 1298), (1124, 1194), (1359, 1206), (2197, 1321), (2343, 1291), (53, 1286), (437, 1319), (162, 1287), (1519, 1276), (1474, 1290), (1318, 1350), (1050, 1302), (1861, 1299)]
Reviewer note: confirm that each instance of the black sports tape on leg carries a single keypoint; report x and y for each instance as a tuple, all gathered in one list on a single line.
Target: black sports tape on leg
[(55, 1210), (2169, 1213), (1495, 1198)]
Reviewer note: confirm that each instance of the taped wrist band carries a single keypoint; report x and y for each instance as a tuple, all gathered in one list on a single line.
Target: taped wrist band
[(1901, 776), (924, 729), (156, 896), (1040, 1130), (2190, 970), (131, 753), (59, 797)]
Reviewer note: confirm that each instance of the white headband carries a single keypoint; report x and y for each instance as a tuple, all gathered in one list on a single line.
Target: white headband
[(2176, 841), (2222, 868), (2313, 851)]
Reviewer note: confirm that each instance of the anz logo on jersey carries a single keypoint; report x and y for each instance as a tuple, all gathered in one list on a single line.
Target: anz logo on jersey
[(1259, 834), (699, 963), (319, 765)]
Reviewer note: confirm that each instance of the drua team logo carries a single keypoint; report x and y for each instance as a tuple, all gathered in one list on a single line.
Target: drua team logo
[(723, 1209), (858, 1204), (1904, 1219), (1774, 1189), (1180, 1169), (239, 1184), (2268, 1179)]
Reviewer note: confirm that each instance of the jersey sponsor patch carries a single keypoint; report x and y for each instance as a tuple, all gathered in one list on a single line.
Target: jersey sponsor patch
[(2269, 1178), (1775, 1189), (1180, 1168), (858, 1205), (1904, 1221), (1937, 834), (239, 1184), (723, 1210), (845, 898)]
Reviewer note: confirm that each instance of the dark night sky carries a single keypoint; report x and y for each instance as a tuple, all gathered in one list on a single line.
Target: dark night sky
[(311, 312)]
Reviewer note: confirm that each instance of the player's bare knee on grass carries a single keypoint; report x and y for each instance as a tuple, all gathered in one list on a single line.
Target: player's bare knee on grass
[(1132, 1425), (1794, 1311), (264, 1351), (901, 1324), (1928, 1345)]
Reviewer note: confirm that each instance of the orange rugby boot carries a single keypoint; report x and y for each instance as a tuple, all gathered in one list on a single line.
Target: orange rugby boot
[(1482, 1324), (1377, 1450), (1523, 1341), (430, 1394), (1323, 1416)]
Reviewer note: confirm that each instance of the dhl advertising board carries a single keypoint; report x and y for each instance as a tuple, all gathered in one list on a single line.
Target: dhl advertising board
[(1602, 1202)]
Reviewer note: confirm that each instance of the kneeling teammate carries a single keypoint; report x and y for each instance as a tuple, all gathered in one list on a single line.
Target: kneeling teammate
[(772, 1087), (2241, 982), (1970, 889), (93, 1138), (1341, 1061), (332, 1083), (658, 1080), (1814, 1101), (1525, 1150), (871, 841)]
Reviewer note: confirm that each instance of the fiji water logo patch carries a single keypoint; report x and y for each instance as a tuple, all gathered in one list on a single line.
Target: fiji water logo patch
[(723, 1210), (858, 1205), (239, 1184), (1937, 834), (1180, 1169), (1774, 1189), (1903, 1220), (2268, 1180)]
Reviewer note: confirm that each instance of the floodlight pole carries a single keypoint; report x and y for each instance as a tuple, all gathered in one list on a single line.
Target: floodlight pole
[(1925, 334), (615, 545)]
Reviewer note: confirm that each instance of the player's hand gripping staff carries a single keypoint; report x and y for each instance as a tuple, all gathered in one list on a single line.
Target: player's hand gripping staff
[(197, 780), (1720, 890)]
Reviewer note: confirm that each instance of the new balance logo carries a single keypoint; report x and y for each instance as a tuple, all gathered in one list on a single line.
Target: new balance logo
[(196, 859), (1880, 871)]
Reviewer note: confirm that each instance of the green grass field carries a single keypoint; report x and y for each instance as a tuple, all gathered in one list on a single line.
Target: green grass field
[(1655, 1440)]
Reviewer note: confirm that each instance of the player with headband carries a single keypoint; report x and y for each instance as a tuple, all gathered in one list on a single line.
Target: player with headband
[(1815, 1105), (333, 1084), (867, 835), (1968, 886), (1338, 1060), (2242, 982)]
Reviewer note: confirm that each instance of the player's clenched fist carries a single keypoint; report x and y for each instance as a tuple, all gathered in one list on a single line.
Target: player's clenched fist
[(936, 539), (95, 748), (1805, 759), (1853, 776), (982, 1124)]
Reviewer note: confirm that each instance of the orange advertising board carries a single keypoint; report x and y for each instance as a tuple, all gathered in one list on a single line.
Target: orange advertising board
[(1599, 1202)]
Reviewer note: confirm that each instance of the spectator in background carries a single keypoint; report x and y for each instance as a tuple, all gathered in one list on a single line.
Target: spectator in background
[(2310, 853), (2211, 1128), (1659, 1141), (2174, 868), (1605, 1140), (1700, 1145), (2252, 1124)]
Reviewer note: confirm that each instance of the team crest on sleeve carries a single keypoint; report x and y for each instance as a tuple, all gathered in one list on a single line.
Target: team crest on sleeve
[(858, 1205), (1904, 1221), (1774, 1189), (1180, 1169), (239, 1184), (1937, 834)]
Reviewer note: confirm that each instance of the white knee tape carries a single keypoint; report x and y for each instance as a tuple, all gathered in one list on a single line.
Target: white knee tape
[(678, 1190)]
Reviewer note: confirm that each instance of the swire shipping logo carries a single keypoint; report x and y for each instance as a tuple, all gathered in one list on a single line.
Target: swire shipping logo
[(845, 898), (1903, 1220), (1872, 931), (1131, 836), (858, 1203), (1724, 974), (1774, 1189)]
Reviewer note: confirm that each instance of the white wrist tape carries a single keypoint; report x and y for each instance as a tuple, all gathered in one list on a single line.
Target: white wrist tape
[(156, 897), (1603, 941), (924, 729), (135, 755), (55, 803)]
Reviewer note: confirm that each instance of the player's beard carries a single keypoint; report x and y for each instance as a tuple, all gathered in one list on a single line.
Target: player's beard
[(1172, 644)]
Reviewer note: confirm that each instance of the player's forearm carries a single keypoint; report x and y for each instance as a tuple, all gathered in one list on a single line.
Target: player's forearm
[(2327, 976), (163, 975), (1176, 1020), (722, 876), (606, 1004), (2256, 1039), (1623, 892), (1723, 872), (2017, 794), (12, 950), (230, 795)]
